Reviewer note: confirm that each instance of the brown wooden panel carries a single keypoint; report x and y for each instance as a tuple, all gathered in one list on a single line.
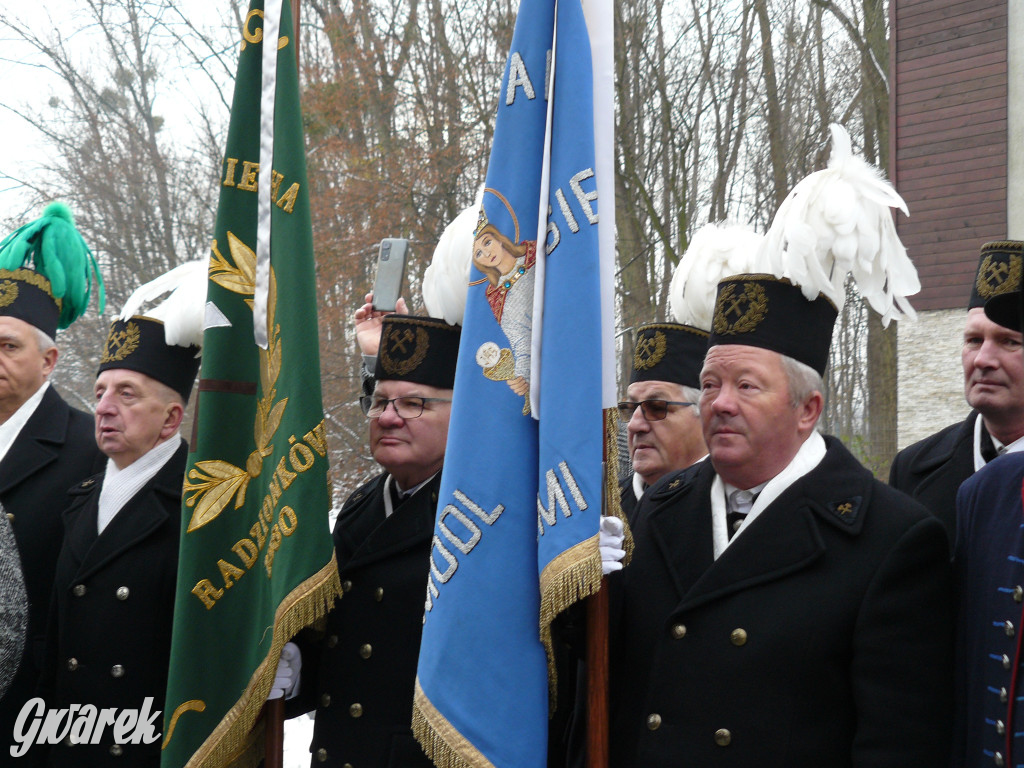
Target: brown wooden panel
[(937, 44), (916, 11), (953, 62), (974, 73), (948, 91), (980, 113), (970, 129), (950, 16)]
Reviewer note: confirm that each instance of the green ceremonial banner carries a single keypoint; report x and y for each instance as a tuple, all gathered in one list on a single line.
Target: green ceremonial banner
[(256, 560)]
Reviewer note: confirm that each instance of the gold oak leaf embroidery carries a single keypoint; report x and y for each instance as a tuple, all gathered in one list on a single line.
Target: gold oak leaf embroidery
[(221, 481)]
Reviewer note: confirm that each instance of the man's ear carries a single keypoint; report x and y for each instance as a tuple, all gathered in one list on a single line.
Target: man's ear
[(810, 411), (175, 413)]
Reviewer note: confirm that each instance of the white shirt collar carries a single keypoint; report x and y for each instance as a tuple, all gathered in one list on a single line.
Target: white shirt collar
[(121, 485), (11, 428), (1014, 447), (388, 482), (810, 454)]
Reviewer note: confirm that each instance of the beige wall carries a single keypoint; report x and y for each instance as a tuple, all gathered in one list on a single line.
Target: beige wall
[(930, 387)]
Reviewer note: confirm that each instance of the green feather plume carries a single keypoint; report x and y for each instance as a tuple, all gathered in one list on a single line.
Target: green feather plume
[(53, 247)]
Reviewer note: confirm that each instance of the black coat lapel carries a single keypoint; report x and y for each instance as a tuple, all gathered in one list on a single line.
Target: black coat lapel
[(369, 537), (670, 523), (143, 514), (37, 443)]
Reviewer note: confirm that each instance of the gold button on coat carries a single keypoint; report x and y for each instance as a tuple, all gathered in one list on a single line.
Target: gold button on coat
[(78, 590), (366, 651), (723, 737), (116, 750), (332, 641), (378, 594), (10, 517), (679, 631), (997, 758), (325, 700), (122, 593), (117, 671), (1000, 727), (1018, 593), (653, 722), (1003, 695), (1008, 627), (346, 586), (321, 755), (72, 664), (738, 637), (356, 710), (1006, 661)]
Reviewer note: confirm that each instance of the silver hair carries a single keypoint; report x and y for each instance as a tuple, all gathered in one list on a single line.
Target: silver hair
[(43, 341), (692, 395), (802, 379)]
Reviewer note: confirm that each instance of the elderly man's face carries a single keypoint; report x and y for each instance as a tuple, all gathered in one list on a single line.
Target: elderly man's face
[(410, 449), (751, 429), (993, 368), (134, 413), (23, 366), (659, 447)]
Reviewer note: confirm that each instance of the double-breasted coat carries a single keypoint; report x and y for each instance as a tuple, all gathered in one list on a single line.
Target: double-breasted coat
[(989, 569), (361, 675), (821, 637), (55, 449), (113, 608), (931, 470)]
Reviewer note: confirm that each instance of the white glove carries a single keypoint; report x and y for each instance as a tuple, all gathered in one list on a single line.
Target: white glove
[(286, 679), (609, 541)]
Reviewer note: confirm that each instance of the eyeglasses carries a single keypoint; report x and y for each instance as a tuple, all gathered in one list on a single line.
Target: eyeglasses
[(405, 407), (653, 410)]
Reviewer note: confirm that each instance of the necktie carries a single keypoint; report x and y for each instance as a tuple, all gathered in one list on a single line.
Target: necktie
[(987, 448), (740, 503)]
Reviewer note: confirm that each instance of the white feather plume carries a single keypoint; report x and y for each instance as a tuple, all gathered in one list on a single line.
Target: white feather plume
[(836, 222), (183, 312), (446, 279), (715, 251)]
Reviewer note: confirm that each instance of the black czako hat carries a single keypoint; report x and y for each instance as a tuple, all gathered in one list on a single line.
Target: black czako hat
[(138, 344), (770, 312), (419, 349), (669, 352)]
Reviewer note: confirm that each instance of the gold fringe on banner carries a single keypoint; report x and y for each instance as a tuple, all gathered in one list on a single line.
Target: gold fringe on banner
[(576, 573), (233, 742), (444, 745)]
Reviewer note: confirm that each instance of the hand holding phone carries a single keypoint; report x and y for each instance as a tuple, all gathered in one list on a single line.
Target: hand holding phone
[(387, 284)]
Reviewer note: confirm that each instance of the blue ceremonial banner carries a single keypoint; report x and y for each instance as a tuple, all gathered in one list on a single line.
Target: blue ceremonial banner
[(515, 540)]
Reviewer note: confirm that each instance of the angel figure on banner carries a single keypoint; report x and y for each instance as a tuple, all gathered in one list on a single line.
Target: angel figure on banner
[(508, 265)]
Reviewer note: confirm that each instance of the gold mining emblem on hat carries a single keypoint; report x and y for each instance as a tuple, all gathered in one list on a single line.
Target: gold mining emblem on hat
[(8, 293), (121, 343), (402, 349), (748, 309), (649, 351), (996, 276)]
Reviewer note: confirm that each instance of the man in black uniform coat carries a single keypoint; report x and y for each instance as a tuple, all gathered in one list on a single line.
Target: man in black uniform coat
[(113, 603), (931, 470), (660, 409), (46, 446), (782, 609), (360, 675)]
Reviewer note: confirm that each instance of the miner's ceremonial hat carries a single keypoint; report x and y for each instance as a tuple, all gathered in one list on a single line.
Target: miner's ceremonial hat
[(166, 342), (772, 313), (670, 352), (47, 271), (419, 349), (999, 271), (1004, 306)]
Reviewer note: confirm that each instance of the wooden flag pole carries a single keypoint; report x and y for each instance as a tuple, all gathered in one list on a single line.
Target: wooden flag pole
[(597, 635), (597, 678), (273, 710), (273, 719)]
